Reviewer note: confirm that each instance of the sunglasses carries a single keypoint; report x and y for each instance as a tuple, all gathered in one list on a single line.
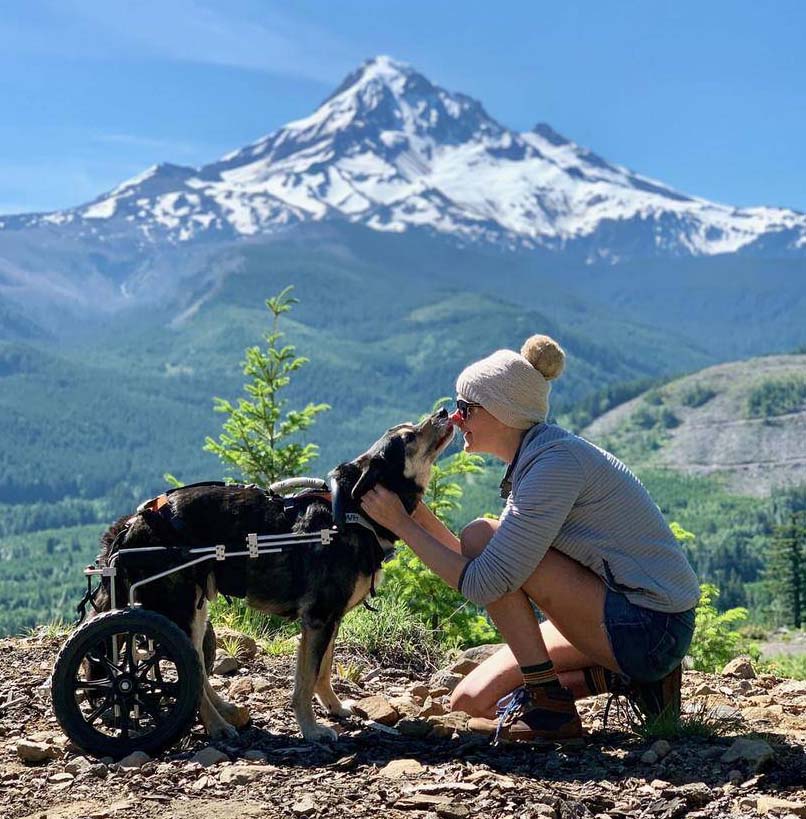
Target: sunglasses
[(464, 407)]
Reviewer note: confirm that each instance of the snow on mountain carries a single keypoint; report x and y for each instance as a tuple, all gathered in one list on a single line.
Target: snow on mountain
[(390, 150)]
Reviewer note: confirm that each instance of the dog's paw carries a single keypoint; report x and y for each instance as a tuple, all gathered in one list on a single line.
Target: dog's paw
[(319, 733), (343, 709)]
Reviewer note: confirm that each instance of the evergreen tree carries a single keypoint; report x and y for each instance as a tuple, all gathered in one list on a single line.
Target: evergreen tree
[(255, 429), (786, 568)]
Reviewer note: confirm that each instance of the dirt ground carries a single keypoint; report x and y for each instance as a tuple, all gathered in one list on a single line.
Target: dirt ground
[(395, 769)]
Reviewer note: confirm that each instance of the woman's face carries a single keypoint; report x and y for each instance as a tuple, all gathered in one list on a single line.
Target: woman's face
[(480, 430)]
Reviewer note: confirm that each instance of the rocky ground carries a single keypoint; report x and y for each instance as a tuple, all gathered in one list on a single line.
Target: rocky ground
[(407, 757)]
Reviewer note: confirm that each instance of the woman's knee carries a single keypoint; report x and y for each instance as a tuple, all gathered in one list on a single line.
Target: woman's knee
[(476, 535)]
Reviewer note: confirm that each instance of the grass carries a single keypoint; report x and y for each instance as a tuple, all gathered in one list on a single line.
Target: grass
[(55, 628), (700, 720), (393, 637), (792, 666)]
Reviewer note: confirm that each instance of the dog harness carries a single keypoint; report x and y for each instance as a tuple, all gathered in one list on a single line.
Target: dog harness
[(158, 514)]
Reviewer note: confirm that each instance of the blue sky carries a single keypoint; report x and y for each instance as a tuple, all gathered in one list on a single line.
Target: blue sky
[(708, 96)]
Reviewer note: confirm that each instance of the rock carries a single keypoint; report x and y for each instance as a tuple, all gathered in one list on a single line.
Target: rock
[(661, 748), (304, 807), (60, 778), (438, 787), (241, 774), (766, 804), (722, 712), (255, 756), (446, 725), (405, 705), (791, 688), (463, 666), (377, 709), (704, 690), (225, 663), (478, 654), (245, 646), (444, 679), (431, 708), (422, 801), (571, 809), (79, 765), (755, 751), (741, 667), (241, 687), (439, 691), (30, 751), (649, 758), (414, 727), (261, 684), (696, 794), (374, 674), (134, 760), (401, 769), (209, 756), (770, 714), (453, 810), (418, 693)]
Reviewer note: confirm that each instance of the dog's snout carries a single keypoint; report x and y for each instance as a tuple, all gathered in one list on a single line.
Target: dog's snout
[(442, 414)]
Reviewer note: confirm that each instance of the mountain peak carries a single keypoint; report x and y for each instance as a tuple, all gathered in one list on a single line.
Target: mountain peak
[(381, 69)]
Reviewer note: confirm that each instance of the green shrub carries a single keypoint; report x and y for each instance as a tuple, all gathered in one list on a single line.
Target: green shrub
[(697, 395), (408, 579), (394, 637), (777, 397), (792, 666), (644, 418), (667, 419), (716, 640)]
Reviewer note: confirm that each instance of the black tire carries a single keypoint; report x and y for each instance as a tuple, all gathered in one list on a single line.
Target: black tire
[(143, 702)]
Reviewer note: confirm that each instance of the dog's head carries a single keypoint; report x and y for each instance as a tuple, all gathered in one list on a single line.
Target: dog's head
[(401, 459)]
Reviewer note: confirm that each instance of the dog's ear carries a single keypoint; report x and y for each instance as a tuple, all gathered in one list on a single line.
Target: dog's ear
[(370, 475)]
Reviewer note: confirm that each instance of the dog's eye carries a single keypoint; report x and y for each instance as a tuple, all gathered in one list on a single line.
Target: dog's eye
[(409, 437)]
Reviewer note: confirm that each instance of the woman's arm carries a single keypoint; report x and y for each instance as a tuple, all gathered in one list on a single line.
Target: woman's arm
[(436, 528), (385, 507)]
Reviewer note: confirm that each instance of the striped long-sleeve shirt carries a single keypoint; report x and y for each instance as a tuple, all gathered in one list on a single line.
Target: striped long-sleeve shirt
[(569, 495)]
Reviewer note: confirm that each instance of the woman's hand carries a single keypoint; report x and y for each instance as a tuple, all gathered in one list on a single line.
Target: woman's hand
[(385, 508)]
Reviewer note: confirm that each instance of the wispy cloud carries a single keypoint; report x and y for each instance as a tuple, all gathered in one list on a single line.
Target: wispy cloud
[(168, 148), (56, 183), (249, 34)]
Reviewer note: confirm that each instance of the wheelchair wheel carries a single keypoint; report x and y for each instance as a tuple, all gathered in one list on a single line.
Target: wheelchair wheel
[(126, 681)]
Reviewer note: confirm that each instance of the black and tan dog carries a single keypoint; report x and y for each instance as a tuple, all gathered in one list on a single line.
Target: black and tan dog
[(315, 583)]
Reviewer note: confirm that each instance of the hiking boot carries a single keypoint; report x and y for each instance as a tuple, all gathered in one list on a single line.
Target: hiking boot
[(660, 698), (533, 713)]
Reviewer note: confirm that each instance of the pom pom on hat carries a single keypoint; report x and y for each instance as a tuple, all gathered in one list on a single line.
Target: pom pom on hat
[(545, 355), (512, 386)]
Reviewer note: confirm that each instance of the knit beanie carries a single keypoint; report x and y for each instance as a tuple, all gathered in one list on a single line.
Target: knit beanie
[(514, 387)]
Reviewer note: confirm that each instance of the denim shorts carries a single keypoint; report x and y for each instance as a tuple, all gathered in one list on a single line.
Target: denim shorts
[(647, 644)]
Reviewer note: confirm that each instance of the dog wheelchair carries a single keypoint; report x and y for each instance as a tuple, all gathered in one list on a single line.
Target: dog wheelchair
[(129, 679)]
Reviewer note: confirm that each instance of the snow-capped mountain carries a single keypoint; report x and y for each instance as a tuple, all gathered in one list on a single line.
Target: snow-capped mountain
[(391, 151)]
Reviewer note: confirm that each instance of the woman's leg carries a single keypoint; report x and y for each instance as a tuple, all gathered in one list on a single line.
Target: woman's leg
[(573, 638), (500, 674)]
